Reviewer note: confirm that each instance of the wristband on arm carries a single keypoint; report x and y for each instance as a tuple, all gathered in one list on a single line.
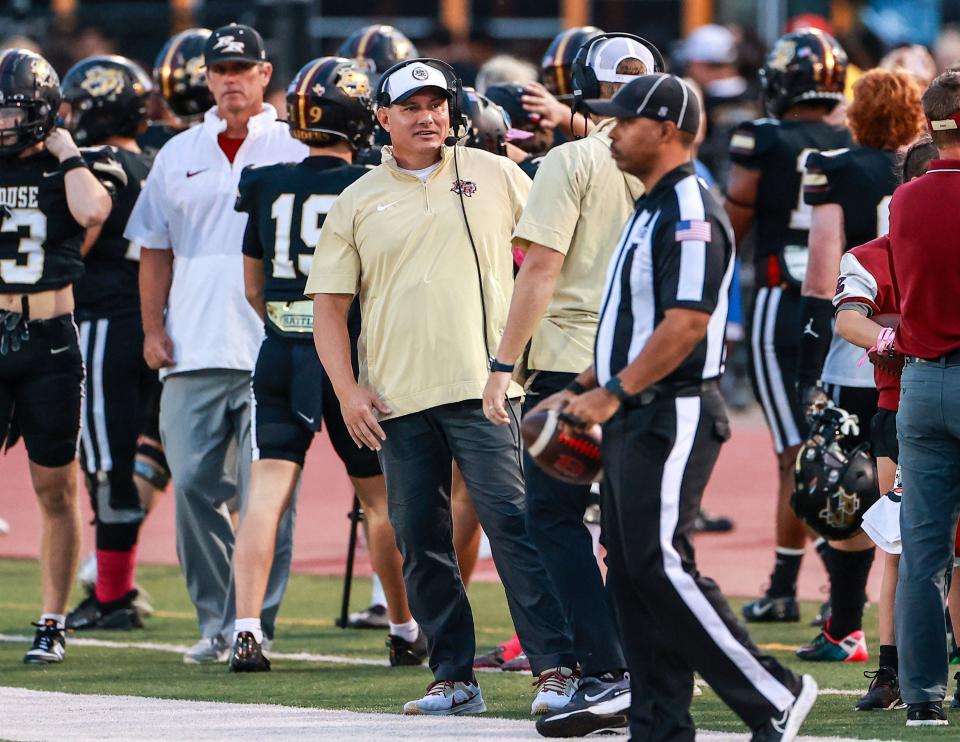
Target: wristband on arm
[(816, 332), (72, 163)]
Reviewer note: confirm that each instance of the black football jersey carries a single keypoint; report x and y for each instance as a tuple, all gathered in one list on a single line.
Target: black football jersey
[(287, 204), (39, 238), (109, 286), (861, 181), (779, 150)]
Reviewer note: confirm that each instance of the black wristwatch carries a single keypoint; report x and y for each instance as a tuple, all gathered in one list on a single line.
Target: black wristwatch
[(615, 387), (494, 366)]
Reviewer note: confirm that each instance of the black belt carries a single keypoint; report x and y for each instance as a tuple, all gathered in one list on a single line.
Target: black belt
[(950, 359), (671, 389)]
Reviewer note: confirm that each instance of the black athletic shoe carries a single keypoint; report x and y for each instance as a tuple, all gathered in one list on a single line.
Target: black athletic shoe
[(768, 609), (49, 645), (247, 655), (597, 707), (404, 653), (785, 726), (374, 617), (955, 703), (926, 715), (707, 523), (823, 615), (884, 691), (120, 615), (492, 660)]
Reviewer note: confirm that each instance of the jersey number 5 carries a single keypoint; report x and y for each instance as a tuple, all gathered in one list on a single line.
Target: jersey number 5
[(313, 208), (30, 244)]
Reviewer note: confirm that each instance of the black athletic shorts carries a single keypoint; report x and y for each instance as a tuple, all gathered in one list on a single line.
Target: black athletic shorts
[(859, 401), (120, 390), (41, 386), (774, 350), (291, 396), (883, 435)]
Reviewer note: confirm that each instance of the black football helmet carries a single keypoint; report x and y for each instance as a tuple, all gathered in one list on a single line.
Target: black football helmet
[(30, 84), (556, 69), (834, 486), (376, 49), (487, 123), (181, 74), (806, 65), (331, 96), (107, 96)]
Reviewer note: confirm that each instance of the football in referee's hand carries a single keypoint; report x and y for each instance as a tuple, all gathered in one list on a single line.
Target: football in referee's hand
[(562, 452)]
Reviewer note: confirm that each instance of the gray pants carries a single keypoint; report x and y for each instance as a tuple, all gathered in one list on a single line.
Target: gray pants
[(416, 461), (205, 429), (928, 427)]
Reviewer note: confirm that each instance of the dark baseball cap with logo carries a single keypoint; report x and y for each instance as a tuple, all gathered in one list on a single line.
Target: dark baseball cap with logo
[(234, 43), (661, 97)]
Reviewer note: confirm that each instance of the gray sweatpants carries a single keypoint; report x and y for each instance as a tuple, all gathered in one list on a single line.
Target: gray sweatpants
[(928, 428), (205, 429)]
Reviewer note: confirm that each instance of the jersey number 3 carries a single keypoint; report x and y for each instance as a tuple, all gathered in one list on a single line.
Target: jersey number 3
[(31, 227), (313, 208)]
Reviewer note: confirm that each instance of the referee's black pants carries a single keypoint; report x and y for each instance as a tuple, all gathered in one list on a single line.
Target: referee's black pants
[(657, 459)]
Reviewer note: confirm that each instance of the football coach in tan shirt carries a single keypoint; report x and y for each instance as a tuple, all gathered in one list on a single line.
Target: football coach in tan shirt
[(425, 240)]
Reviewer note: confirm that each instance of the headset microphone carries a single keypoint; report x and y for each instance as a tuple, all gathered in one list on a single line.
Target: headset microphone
[(450, 141)]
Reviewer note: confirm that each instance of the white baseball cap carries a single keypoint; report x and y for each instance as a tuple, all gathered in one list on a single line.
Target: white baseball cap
[(412, 78), (606, 55), (712, 44)]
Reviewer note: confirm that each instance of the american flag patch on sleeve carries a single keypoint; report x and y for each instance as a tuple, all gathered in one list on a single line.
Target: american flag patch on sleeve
[(694, 230)]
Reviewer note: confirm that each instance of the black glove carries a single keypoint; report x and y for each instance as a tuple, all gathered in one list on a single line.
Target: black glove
[(14, 331)]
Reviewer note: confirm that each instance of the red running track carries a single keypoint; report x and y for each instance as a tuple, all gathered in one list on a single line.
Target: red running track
[(742, 487)]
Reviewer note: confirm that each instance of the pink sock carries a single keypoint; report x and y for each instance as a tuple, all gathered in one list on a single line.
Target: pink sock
[(115, 574)]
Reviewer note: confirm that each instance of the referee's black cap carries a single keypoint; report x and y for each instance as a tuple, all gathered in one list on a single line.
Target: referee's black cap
[(234, 43), (661, 97)]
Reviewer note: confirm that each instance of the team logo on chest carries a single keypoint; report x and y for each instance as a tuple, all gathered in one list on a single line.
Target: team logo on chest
[(464, 188)]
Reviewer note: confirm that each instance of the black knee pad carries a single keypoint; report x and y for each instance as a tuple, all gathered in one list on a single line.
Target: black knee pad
[(114, 502), (151, 465)]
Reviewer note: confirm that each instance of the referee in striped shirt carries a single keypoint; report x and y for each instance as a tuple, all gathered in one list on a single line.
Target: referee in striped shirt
[(653, 385)]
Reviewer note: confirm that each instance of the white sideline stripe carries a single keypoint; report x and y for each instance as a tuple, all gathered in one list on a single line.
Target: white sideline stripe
[(135, 718), (180, 649), (300, 657)]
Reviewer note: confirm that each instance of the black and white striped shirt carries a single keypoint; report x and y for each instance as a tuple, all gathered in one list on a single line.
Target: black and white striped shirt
[(676, 251)]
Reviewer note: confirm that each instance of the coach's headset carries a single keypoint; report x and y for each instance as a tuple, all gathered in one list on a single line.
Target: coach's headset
[(585, 83), (458, 130)]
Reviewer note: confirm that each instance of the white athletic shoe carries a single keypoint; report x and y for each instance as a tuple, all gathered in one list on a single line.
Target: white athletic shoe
[(49, 645), (555, 688), (446, 698), (4, 527), (207, 651)]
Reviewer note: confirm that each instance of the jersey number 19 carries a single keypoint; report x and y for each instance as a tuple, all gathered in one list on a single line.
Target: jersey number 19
[(313, 208)]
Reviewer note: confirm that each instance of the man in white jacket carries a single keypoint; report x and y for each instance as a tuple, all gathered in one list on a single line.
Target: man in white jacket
[(199, 329)]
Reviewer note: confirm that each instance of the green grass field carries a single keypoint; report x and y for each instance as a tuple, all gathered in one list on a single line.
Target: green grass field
[(306, 625)]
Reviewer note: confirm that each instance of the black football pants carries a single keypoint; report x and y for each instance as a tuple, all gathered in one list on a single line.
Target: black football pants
[(657, 459), (555, 523)]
